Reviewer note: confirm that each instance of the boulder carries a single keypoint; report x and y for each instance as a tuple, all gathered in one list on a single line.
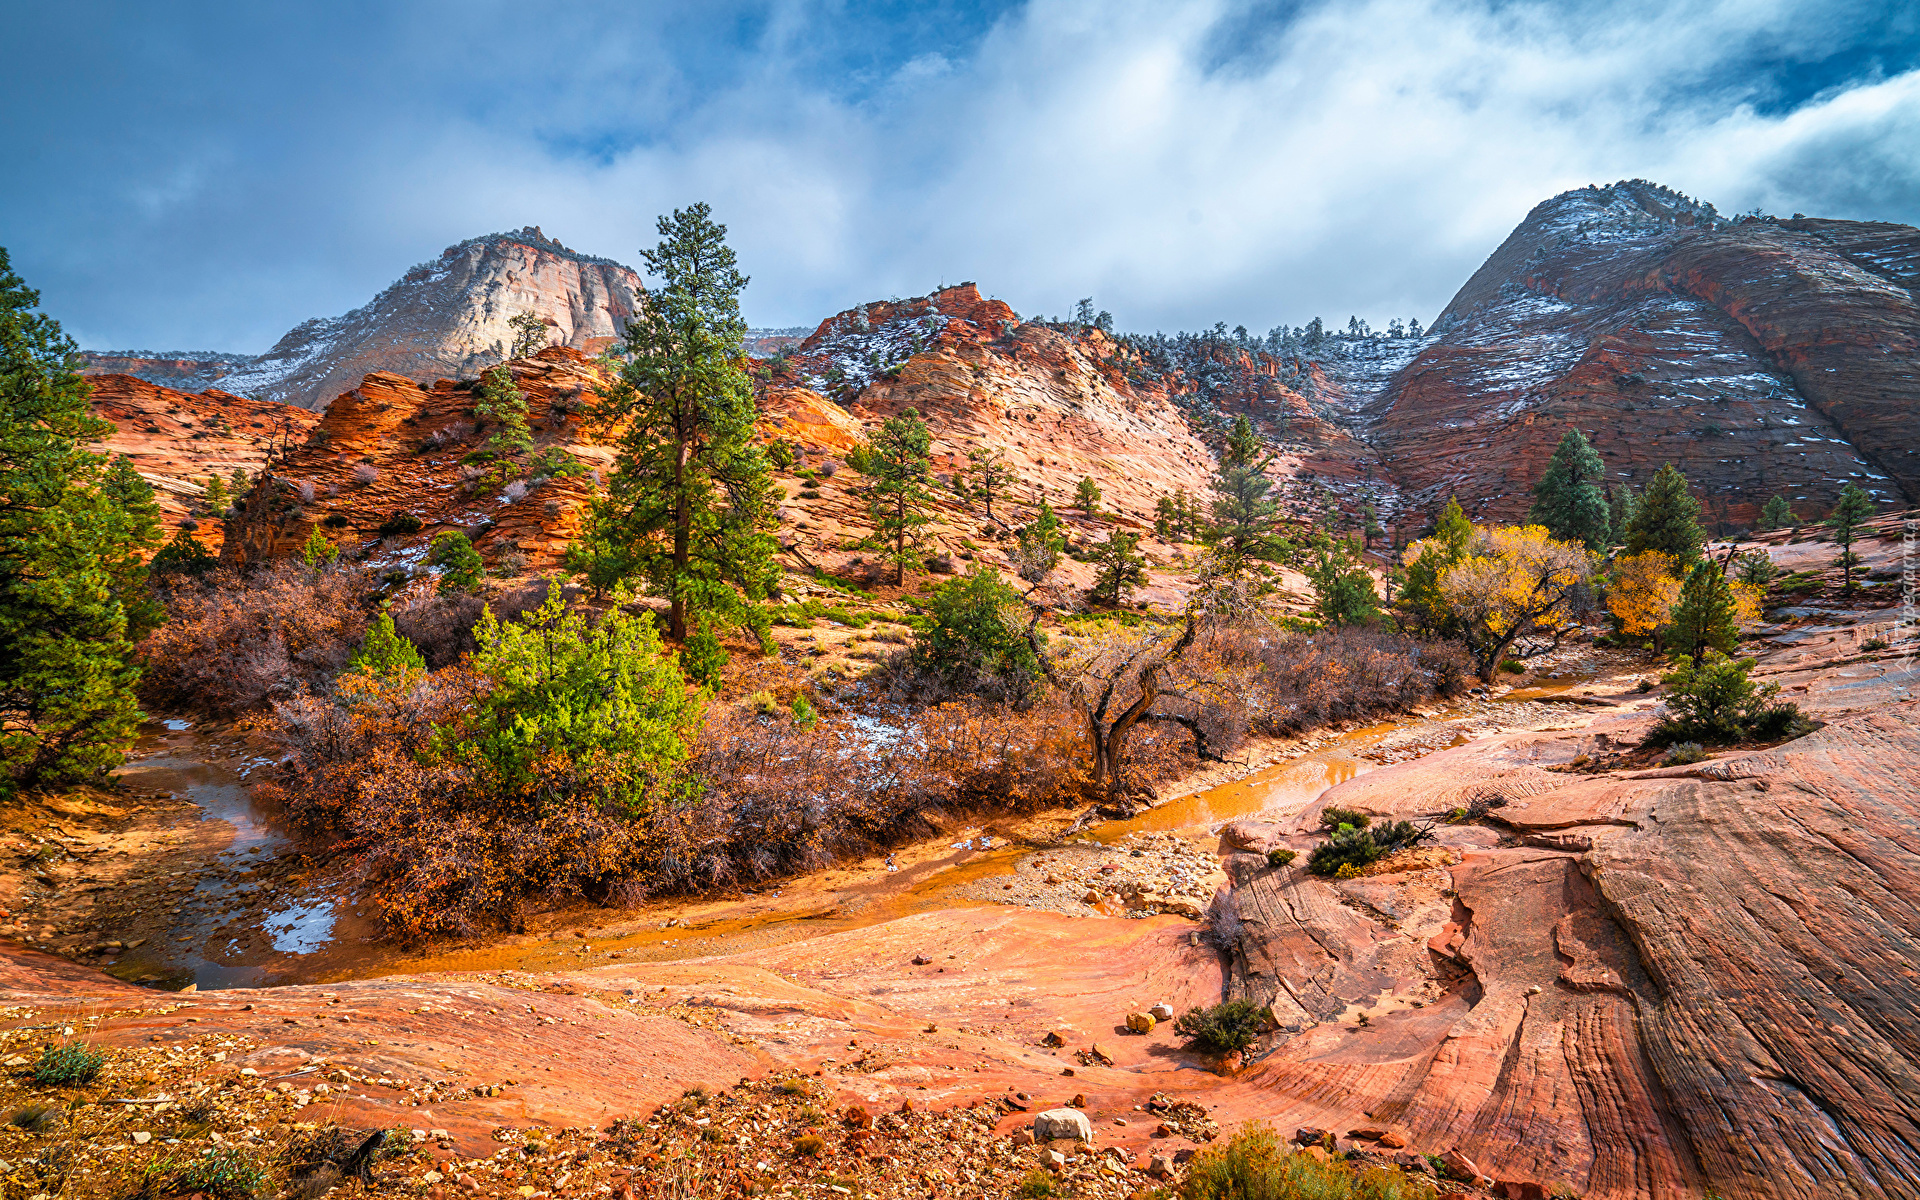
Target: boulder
[(1256, 837), (1140, 1022), (1459, 1165), (1062, 1123), (1161, 1012)]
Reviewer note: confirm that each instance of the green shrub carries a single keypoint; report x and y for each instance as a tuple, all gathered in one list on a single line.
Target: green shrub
[(227, 1172), (809, 1145), (1713, 701), (763, 703), (1872, 644), (780, 454), (802, 712), (1682, 753), (460, 564), (1257, 1164), (1279, 856), (973, 634), (1232, 1025), (400, 524), (68, 1066), (1037, 1185), (1352, 847), (1334, 817), (1513, 666)]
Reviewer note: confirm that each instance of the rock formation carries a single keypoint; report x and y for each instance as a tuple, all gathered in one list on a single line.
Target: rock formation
[(445, 317), (1759, 356)]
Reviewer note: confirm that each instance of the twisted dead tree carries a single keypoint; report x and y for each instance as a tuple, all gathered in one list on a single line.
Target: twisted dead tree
[(1122, 685)]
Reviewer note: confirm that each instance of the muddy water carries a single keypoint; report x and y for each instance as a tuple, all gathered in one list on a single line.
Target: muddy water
[(316, 937)]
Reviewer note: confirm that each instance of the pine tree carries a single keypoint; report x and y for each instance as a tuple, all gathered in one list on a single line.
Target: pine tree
[(67, 708), (1854, 507), (899, 500), (317, 551), (1370, 527), (690, 504), (991, 475), (132, 529), (1777, 514), (504, 406), (240, 484), (461, 566), (1664, 519), (1703, 618), (185, 554), (1120, 569), (385, 650), (1040, 544), (216, 497), (1244, 513), (1621, 503), (1342, 588), (1086, 495), (1177, 518), (530, 335), (1568, 499), (1428, 559)]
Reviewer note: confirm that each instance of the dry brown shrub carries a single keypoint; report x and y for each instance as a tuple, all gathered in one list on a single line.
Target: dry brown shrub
[(1289, 681), (236, 641)]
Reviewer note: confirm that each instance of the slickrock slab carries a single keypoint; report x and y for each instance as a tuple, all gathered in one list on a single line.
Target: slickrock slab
[(1715, 982)]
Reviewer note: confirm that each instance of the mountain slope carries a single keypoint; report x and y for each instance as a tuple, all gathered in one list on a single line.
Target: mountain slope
[(447, 317), (1759, 356)]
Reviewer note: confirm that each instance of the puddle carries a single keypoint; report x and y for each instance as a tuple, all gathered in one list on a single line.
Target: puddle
[(301, 929)]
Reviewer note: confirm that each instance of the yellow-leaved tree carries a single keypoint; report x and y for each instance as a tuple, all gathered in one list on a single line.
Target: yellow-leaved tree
[(1641, 593), (1514, 582)]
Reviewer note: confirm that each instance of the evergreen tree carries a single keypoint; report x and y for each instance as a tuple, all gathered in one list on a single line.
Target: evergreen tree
[(1244, 513), (1177, 518), (530, 335), (67, 709), (1853, 508), (991, 475), (974, 633), (1621, 503), (317, 552), (239, 484), (899, 500), (185, 554), (691, 501), (1427, 560), (1370, 526), (703, 658), (1664, 519), (1703, 617), (504, 406), (461, 566), (1041, 543), (1120, 569), (385, 650), (1777, 514), (1086, 495), (132, 529), (1342, 587), (216, 497), (1568, 499)]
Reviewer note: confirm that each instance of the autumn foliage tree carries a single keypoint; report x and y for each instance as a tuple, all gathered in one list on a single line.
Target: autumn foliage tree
[(1514, 582), (1641, 591)]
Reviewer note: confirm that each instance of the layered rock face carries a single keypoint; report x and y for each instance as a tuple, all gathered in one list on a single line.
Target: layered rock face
[(1759, 357), (177, 439), (1654, 981), (446, 317)]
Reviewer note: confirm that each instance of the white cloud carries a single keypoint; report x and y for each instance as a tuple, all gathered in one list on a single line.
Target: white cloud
[(1182, 161)]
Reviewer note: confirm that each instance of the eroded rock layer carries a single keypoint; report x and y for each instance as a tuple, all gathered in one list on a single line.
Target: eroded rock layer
[(1659, 980), (1759, 356)]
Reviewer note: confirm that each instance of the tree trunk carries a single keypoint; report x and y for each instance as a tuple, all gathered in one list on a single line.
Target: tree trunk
[(682, 535)]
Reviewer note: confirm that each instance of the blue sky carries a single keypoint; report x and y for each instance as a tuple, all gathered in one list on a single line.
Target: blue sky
[(205, 175)]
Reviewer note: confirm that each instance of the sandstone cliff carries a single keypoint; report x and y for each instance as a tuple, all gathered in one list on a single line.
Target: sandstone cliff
[(1759, 356), (445, 317)]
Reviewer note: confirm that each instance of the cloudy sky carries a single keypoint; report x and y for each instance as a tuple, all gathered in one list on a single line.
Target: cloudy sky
[(204, 175)]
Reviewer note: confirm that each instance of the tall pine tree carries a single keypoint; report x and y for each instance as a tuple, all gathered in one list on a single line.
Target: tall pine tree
[(1244, 511), (1853, 508), (1666, 519), (67, 709), (1704, 616), (1568, 499), (898, 493), (690, 502)]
